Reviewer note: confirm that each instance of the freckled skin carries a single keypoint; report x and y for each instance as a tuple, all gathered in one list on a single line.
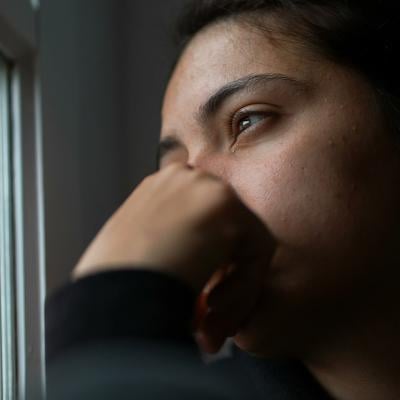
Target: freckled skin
[(324, 177)]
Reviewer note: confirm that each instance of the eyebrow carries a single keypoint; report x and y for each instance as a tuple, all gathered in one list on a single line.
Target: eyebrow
[(213, 104), (248, 83)]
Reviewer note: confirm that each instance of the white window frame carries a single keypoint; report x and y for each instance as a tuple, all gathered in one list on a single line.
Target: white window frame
[(18, 43), (7, 283)]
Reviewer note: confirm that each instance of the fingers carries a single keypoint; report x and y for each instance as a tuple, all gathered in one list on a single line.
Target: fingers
[(244, 282), (229, 301), (233, 234), (202, 303), (223, 309), (239, 288), (209, 344), (216, 327)]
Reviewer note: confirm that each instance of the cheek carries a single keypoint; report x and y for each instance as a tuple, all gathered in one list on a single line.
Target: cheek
[(316, 196), (291, 193)]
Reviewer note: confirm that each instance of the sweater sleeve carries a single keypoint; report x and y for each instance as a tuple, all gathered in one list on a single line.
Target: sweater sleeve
[(117, 305), (127, 335)]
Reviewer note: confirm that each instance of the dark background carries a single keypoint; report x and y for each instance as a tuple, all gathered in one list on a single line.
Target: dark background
[(103, 68)]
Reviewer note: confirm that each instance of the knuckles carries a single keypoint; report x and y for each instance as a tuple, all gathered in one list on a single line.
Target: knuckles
[(203, 187), (174, 168)]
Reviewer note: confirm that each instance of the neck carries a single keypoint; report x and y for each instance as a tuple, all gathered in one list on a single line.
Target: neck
[(364, 363)]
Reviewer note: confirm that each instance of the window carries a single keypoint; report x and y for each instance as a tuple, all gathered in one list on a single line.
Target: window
[(21, 207), (7, 296)]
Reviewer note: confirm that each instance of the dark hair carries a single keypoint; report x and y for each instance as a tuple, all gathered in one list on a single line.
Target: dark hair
[(360, 34)]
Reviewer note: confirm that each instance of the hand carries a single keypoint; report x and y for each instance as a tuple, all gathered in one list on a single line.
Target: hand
[(189, 224)]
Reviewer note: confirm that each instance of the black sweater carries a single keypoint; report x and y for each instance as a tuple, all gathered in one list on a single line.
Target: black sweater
[(127, 335)]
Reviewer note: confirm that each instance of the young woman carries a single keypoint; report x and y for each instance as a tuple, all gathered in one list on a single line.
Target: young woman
[(277, 202)]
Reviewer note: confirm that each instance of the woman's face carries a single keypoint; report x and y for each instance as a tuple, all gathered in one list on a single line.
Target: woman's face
[(303, 143)]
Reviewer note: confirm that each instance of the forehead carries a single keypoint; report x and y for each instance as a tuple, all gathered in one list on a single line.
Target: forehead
[(226, 52)]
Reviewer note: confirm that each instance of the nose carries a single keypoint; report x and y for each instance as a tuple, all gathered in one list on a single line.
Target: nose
[(212, 163)]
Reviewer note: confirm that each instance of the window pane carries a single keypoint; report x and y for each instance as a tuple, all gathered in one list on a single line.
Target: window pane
[(7, 329)]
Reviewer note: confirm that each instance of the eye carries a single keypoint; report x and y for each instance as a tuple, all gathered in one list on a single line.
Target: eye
[(245, 120)]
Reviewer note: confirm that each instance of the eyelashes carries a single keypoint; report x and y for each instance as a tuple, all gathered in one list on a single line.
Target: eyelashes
[(245, 121)]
